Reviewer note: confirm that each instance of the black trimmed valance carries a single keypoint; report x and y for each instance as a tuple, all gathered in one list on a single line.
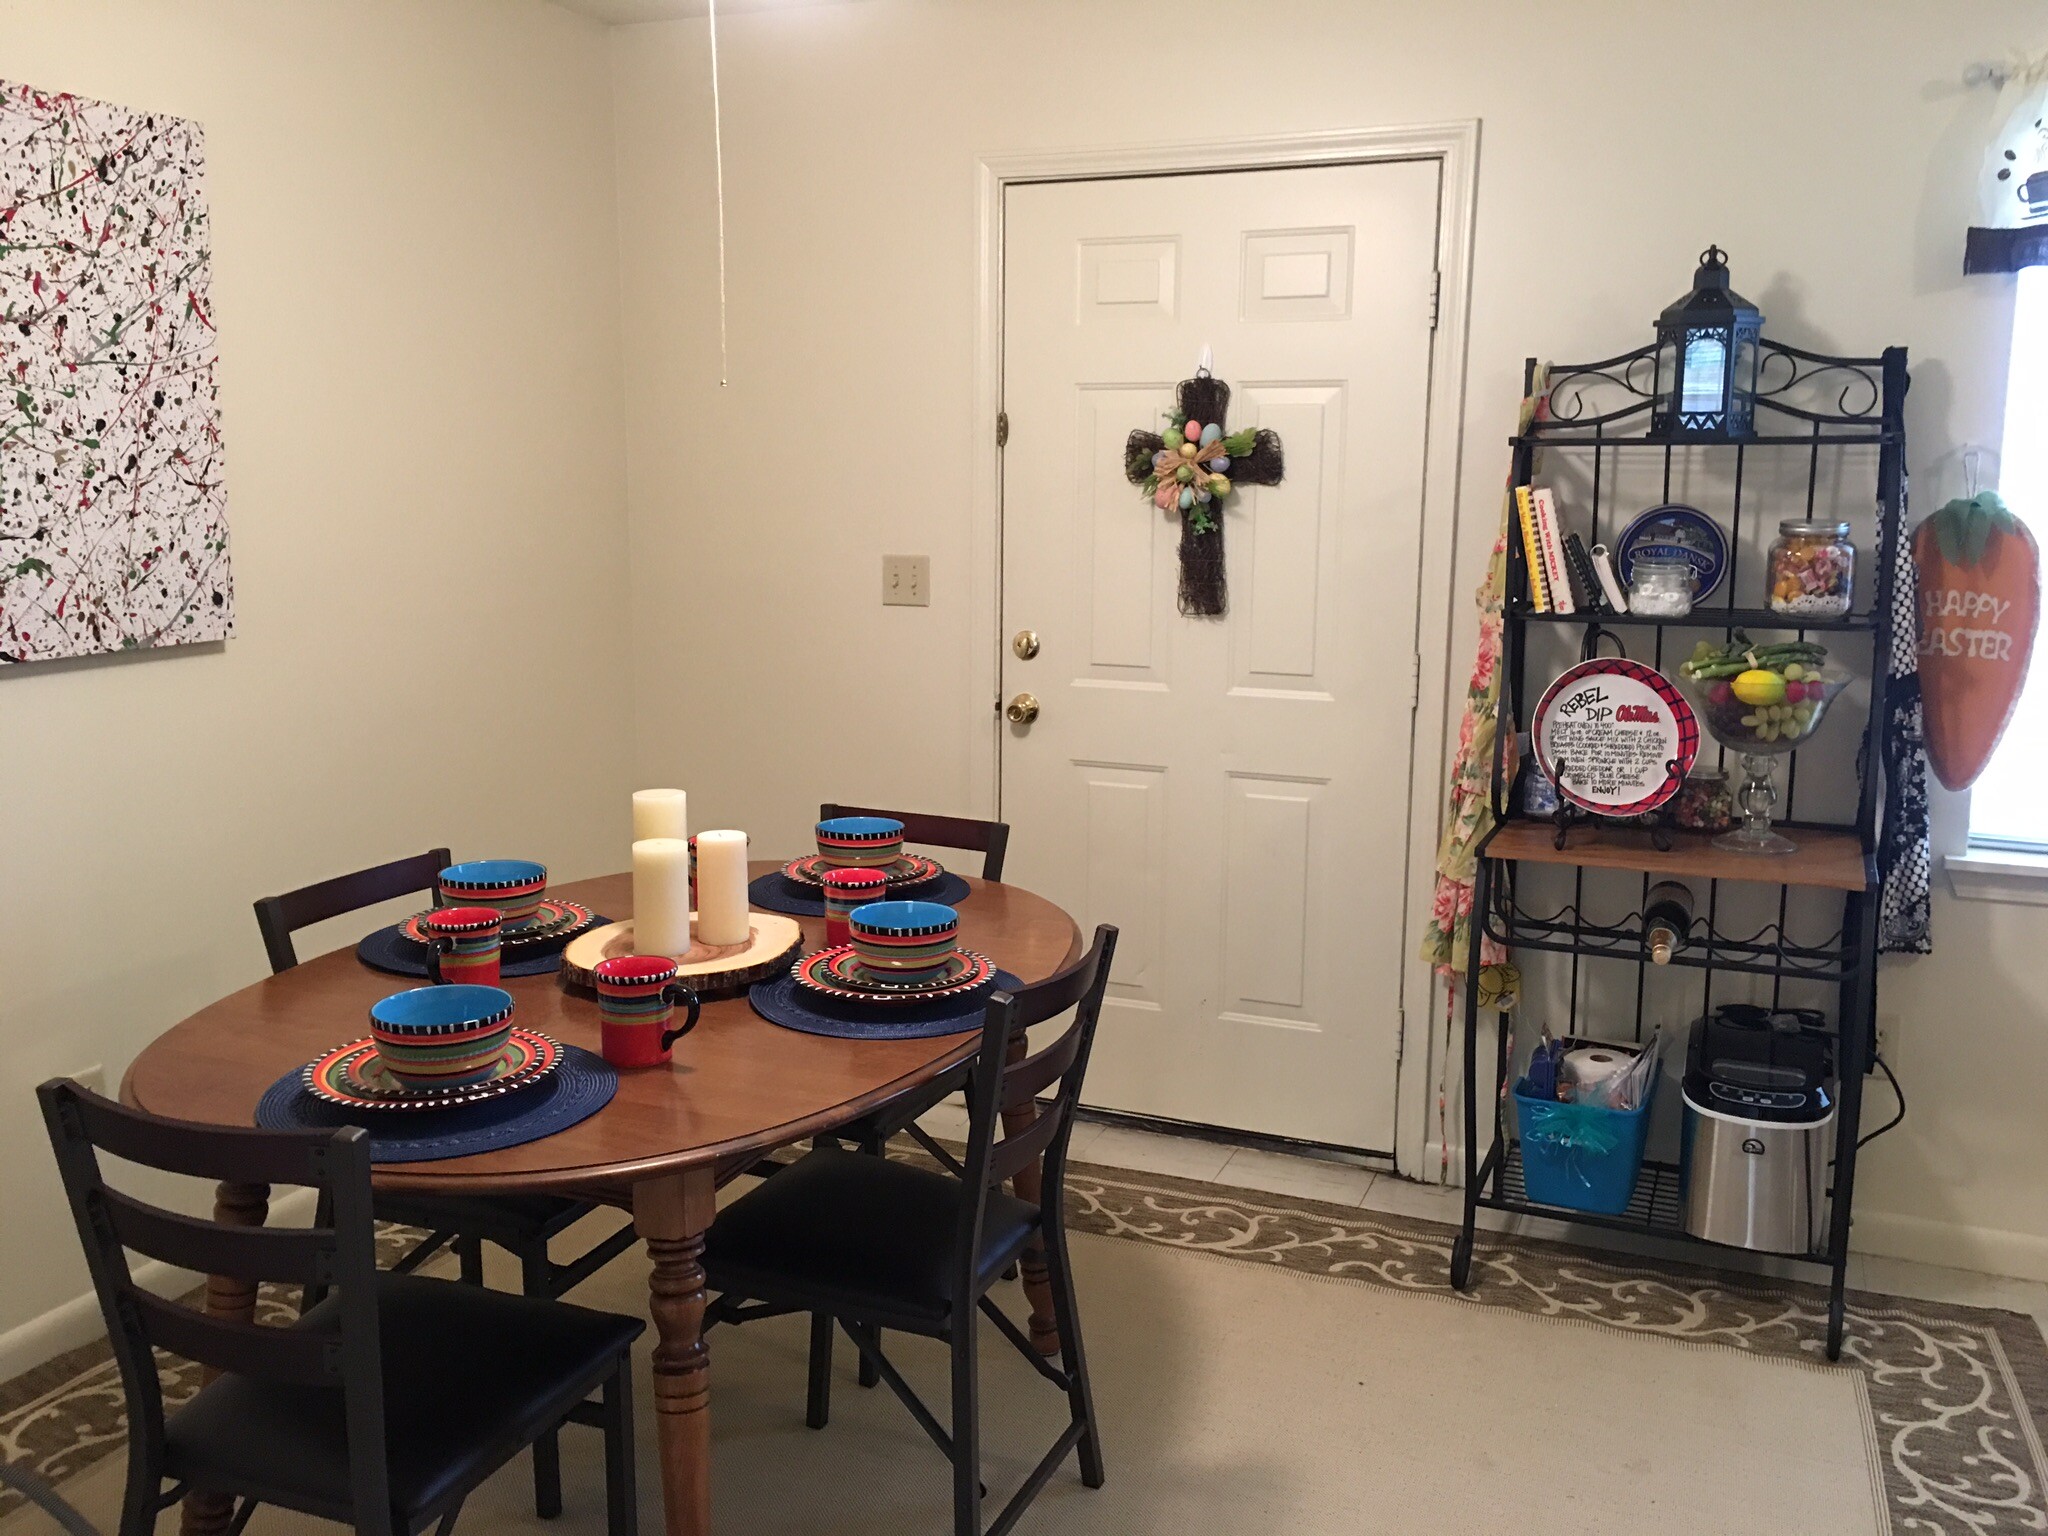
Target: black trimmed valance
[(2012, 227)]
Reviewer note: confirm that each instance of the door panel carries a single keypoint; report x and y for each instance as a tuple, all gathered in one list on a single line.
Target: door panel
[(1232, 793)]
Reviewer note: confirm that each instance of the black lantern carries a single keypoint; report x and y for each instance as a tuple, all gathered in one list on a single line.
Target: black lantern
[(1707, 359)]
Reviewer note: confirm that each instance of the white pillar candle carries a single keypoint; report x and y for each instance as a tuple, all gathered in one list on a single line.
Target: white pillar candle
[(660, 813), (661, 896), (722, 888)]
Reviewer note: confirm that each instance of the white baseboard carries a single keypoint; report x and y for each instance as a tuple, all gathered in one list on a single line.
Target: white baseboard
[(1881, 1234), (1988, 1250), (78, 1321)]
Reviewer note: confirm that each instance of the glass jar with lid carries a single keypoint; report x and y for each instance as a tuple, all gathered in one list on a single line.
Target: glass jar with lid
[(1661, 586), (1813, 567)]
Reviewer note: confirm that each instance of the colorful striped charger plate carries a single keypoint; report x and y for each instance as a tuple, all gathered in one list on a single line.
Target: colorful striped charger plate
[(353, 1076), (838, 974), (912, 869)]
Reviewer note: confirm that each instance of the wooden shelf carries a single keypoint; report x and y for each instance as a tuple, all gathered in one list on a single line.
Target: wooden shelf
[(1707, 618), (1827, 857)]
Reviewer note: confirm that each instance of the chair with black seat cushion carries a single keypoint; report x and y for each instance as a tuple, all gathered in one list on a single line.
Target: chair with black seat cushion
[(385, 1403), (873, 1244), (523, 1225)]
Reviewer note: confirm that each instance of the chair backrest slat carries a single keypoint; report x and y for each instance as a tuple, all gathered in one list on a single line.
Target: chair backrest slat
[(234, 1154), (306, 1355), (279, 917), (248, 1253), (1015, 1152), (999, 1082), (1031, 1076), (990, 839)]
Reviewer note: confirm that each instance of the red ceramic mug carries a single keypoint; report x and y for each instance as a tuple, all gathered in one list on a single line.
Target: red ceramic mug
[(636, 997), (846, 889), (464, 945)]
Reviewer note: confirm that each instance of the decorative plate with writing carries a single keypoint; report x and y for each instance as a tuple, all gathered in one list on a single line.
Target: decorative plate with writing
[(1615, 736)]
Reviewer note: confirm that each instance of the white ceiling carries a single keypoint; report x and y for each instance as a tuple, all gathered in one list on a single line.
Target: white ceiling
[(664, 10)]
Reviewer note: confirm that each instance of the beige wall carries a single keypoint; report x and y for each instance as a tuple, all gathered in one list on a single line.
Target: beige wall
[(1829, 146), (416, 282)]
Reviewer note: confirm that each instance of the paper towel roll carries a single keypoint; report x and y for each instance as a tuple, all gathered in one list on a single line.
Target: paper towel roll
[(1591, 1064)]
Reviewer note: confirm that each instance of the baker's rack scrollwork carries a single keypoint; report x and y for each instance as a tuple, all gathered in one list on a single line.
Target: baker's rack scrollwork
[(1608, 396)]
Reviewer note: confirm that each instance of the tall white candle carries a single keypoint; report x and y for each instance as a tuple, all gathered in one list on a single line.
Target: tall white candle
[(661, 896), (660, 813), (722, 888)]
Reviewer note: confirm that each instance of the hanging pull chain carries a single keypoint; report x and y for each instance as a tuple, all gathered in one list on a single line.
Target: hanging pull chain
[(718, 161)]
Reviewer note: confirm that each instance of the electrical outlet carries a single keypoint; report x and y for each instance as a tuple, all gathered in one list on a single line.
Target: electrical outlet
[(93, 1077), (906, 581)]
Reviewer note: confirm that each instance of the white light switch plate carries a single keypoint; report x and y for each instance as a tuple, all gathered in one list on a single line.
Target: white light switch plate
[(906, 581)]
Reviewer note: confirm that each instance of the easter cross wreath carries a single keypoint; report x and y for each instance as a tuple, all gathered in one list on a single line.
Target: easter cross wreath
[(1190, 469)]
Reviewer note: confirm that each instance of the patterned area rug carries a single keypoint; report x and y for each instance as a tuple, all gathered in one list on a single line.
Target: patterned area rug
[(1955, 1394)]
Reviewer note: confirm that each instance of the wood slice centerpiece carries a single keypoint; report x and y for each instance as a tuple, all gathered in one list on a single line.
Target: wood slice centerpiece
[(713, 970)]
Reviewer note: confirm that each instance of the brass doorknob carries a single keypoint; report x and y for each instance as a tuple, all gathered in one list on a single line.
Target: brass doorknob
[(1023, 709), (1026, 644)]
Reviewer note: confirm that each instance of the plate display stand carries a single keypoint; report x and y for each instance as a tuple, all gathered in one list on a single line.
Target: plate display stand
[(712, 970), (1822, 423)]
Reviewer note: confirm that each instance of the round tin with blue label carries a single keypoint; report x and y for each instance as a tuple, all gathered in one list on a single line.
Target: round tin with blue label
[(1675, 531)]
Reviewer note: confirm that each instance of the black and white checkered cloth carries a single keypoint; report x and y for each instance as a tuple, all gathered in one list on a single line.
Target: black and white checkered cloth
[(1905, 862)]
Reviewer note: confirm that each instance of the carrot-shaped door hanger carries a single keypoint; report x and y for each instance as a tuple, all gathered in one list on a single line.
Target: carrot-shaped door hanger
[(1980, 601)]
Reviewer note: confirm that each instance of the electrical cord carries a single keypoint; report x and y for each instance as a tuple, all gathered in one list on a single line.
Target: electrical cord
[(1886, 1068)]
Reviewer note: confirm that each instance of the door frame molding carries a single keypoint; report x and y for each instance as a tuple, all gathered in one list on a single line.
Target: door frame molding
[(1455, 146)]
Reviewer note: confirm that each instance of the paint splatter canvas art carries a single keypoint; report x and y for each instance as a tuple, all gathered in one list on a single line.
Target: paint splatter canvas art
[(113, 504)]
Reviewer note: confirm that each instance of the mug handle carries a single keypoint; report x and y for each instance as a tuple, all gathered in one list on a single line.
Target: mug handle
[(682, 997), (434, 953)]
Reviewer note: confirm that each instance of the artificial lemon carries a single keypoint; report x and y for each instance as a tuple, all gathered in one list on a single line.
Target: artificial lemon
[(1759, 687)]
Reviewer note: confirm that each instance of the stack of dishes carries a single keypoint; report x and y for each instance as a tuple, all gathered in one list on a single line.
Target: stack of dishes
[(434, 1048), (863, 842), (516, 887), (903, 953)]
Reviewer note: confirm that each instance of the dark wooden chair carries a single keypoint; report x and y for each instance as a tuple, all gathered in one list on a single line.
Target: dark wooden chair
[(990, 839), (873, 1244), (522, 1225), (390, 1398)]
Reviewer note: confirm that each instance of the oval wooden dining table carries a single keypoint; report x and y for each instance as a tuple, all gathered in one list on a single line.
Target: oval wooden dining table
[(738, 1088)]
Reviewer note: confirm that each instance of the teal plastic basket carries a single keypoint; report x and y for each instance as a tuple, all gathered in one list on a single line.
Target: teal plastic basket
[(1584, 1157)]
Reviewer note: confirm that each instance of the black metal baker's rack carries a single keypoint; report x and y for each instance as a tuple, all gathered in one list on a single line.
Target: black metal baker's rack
[(1806, 403)]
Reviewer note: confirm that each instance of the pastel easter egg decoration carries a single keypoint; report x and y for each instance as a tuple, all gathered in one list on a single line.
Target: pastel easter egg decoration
[(1202, 495), (1187, 450), (1192, 431), (1185, 474), (1219, 485), (1164, 460), (1187, 499), (1980, 605), (1166, 496), (1211, 433), (1219, 462)]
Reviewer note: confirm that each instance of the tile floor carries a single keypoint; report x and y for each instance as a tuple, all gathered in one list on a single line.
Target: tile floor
[(1349, 1183)]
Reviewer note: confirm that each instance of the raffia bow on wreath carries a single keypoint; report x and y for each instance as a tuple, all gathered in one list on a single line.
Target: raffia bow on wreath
[(1197, 483)]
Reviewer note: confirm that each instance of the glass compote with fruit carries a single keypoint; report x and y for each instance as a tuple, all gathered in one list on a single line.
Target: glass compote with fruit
[(1759, 701)]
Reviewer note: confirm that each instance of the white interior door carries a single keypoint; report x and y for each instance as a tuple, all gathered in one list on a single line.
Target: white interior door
[(1232, 793)]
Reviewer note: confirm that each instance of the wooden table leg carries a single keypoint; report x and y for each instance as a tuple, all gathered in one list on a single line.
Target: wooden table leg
[(1018, 1118), (234, 1205), (671, 1213)]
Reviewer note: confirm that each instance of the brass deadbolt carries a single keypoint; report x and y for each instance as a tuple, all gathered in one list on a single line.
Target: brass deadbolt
[(1026, 644)]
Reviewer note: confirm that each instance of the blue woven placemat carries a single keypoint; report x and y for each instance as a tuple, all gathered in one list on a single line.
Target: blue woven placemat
[(782, 1001), (776, 892), (577, 1089), (390, 950)]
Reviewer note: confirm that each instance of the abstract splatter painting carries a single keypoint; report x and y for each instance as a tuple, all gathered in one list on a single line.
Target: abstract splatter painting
[(113, 506)]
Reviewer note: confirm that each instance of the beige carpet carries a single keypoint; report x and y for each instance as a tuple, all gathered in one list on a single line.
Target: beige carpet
[(1247, 1396)]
